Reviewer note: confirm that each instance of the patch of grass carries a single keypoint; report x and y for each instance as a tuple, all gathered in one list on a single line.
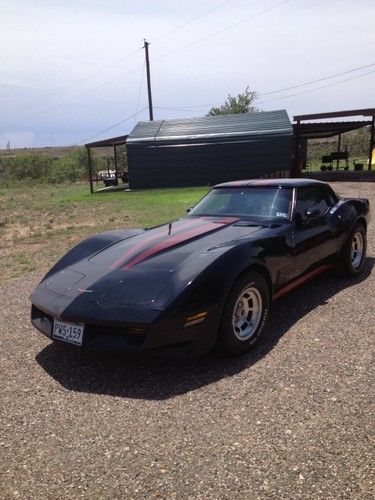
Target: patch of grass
[(21, 262), (44, 221)]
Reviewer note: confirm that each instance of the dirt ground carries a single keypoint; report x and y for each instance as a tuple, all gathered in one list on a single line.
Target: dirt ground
[(294, 419)]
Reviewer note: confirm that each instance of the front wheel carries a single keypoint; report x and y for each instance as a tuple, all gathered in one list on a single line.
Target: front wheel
[(245, 313), (353, 253)]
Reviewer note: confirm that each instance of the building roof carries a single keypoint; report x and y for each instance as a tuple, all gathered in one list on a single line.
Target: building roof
[(234, 125)]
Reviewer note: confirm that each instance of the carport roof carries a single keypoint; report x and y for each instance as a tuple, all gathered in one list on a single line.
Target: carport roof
[(327, 129), (113, 141), (245, 124)]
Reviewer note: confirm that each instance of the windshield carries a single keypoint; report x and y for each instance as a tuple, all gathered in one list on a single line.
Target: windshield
[(247, 202)]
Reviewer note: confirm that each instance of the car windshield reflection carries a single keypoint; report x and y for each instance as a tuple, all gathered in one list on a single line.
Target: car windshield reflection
[(254, 203)]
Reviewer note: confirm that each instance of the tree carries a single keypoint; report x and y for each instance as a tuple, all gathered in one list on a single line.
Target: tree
[(242, 103)]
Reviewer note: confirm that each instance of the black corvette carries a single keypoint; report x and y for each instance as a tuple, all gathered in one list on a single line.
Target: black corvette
[(206, 279)]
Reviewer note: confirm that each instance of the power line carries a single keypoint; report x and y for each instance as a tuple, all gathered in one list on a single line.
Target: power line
[(242, 21), (261, 102), (140, 91), (82, 141), (269, 100), (67, 101), (318, 80), (186, 108), (317, 88), (114, 63), (81, 80), (139, 67), (180, 108), (190, 21)]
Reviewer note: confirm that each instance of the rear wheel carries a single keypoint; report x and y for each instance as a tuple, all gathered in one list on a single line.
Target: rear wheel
[(353, 253), (245, 314)]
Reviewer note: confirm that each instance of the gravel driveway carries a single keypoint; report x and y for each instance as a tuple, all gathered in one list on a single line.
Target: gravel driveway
[(295, 419)]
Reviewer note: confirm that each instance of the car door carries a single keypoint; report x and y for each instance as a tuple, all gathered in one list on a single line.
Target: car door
[(313, 234)]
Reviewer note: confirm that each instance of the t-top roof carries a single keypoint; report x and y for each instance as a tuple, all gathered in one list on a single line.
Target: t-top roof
[(289, 182), (245, 124)]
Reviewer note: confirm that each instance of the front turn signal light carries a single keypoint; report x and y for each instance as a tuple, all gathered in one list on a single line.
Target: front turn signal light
[(135, 330), (195, 319)]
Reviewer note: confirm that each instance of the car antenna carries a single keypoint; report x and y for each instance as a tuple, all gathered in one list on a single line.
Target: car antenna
[(169, 228)]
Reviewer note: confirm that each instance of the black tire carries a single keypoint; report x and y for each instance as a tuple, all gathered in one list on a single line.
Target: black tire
[(351, 263), (253, 289)]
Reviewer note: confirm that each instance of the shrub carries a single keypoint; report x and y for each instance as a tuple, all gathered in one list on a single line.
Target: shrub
[(27, 166), (38, 168), (65, 169)]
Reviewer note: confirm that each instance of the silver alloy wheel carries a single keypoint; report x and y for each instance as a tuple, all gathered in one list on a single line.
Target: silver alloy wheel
[(247, 313), (357, 249)]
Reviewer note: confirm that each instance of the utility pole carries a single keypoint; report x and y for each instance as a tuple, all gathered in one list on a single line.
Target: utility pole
[(151, 113)]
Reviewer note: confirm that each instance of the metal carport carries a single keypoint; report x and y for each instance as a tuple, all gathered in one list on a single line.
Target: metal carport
[(304, 131), (105, 143)]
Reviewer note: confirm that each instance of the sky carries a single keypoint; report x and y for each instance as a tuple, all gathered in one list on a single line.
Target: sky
[(73, 69)]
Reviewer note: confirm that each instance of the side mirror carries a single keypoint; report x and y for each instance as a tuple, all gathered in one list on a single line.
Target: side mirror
[(312, 213), (189, 209)]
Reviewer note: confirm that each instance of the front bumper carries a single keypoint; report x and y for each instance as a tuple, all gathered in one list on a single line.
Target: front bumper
[(164, 337)]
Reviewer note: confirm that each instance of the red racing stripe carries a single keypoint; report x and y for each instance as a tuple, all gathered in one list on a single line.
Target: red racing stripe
[(175, 240), (158, 233)]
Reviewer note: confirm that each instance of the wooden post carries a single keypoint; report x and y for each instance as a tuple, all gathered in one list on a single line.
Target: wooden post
[(115, 158), (90, 169), (116, 167), (338, 150), (296, 168), (371, 142)]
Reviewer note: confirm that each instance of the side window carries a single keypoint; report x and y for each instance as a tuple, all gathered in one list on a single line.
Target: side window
[(310, 197), (331, 196)]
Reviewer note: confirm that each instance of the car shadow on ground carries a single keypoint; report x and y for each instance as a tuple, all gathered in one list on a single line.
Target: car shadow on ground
[(158, 379)]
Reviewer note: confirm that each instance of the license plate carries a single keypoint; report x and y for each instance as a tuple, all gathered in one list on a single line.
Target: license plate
[(68, 332)]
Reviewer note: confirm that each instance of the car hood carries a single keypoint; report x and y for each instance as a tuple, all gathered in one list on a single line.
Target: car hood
[(150, 268)]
